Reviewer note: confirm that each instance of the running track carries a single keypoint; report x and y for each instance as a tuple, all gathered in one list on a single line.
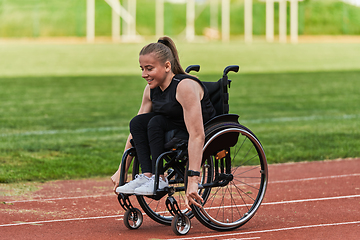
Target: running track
[(310, 200)]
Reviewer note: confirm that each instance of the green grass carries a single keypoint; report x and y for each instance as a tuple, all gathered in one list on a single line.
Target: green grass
[(75, 127), (302, 116), (65, 108), (36, 59), (64, 127)]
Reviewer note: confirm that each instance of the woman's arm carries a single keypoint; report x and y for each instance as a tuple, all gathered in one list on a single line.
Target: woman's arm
[(146, 107), (189, 95), (116, 177), (146, 104)]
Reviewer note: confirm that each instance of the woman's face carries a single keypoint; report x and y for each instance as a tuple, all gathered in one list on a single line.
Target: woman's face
[(154, 72)]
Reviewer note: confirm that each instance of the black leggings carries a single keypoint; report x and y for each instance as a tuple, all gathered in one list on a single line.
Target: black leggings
[(148, 132)]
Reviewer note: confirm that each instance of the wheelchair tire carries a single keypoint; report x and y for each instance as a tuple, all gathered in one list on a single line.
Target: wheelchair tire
[(179, 225), (156, 209), (239, 158), (133, 218)]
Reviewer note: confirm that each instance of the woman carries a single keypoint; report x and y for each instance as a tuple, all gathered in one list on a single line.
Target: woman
[(171, 100)]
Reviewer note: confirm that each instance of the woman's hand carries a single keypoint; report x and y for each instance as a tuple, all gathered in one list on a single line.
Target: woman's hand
[(115, 179), (192, 196)]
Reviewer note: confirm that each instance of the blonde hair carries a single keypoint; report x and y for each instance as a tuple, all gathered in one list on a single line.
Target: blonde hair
[(165, 50)]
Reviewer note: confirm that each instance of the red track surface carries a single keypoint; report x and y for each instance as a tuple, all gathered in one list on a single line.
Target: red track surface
[(312, 200)]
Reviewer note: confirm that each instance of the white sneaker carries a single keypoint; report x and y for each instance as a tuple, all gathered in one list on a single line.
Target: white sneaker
[(148, 188), (129, 187)]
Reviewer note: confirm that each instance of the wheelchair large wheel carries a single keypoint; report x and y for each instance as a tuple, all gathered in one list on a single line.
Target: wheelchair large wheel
[(240, 181), (156, 209)]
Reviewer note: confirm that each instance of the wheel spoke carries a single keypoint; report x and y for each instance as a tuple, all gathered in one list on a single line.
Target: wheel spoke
[(232, 205)]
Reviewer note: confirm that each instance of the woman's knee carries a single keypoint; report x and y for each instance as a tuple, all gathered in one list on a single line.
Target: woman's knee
[(140, 122), (135, 122), (156, 123)]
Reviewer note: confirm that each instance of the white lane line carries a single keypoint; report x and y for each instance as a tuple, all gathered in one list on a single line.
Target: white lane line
[(269, 230), (63, 198), (107, 195), (242, 238), (262, 120), (113, 216), (58, 220), (304, 118), (316, 178), (311, 200), (65, 131), (290, 201)]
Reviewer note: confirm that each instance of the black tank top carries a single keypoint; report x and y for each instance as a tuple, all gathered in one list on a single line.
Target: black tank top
[(165, 103)]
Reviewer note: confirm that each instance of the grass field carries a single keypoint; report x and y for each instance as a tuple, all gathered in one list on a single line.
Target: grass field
[(65, 108)]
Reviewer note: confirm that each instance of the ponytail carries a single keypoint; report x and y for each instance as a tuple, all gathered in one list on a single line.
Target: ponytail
[(165, 50)]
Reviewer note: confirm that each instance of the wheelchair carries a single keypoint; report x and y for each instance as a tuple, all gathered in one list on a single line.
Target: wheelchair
[(234, 173)]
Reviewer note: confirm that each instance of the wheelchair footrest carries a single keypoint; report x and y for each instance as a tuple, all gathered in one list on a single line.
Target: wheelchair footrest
[(173, 207), (169, 190), (125, 202)]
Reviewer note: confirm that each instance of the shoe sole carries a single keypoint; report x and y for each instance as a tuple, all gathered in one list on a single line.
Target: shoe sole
[(147, 193), (144, 194), (125, 192)]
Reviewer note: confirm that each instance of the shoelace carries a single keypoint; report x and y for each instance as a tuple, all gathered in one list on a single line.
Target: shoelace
[(150, 181), (137, 176)]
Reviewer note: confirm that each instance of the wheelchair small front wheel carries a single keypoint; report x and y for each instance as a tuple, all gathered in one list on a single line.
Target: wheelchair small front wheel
[(181, 224), (133, 218)]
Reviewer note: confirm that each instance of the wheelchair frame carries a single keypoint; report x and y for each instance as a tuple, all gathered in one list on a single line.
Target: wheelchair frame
[(233, 177)]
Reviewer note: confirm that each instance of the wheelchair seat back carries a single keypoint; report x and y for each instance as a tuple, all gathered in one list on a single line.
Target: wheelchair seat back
[(218, 96)]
